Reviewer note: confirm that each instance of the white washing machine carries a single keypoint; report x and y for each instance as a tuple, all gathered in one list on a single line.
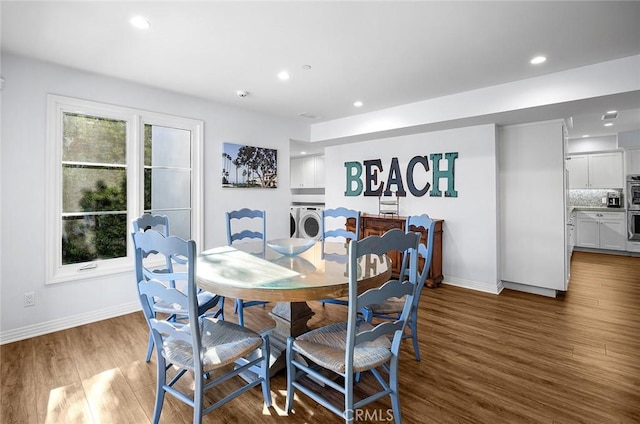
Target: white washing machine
[(310, 222), (294, 218)]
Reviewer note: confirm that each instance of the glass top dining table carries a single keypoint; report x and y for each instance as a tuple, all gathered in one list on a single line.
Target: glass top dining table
[(321, 272)]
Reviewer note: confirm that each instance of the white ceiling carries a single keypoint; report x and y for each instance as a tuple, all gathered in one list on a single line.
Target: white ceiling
[(384, 53)]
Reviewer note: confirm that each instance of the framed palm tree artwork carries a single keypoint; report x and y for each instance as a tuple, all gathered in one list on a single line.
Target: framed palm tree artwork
[(249, 166)]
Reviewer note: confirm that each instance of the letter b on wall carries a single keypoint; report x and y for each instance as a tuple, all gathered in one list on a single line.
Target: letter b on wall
[(354, 180)]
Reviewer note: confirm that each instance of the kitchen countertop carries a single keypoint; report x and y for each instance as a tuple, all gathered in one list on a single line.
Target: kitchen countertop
[(596, 209)]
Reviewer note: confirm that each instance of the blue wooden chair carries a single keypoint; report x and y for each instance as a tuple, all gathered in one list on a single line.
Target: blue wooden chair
[(339, 231), (234, 219), (355, 346), (206, 300), (392, 308), (201, 346)]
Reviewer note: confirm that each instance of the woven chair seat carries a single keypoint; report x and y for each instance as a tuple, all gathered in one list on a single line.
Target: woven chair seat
[(326, 347), (390, 306), (222, 343)]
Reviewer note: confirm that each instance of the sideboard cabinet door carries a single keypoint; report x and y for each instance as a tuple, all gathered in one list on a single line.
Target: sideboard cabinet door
[(378, 225)]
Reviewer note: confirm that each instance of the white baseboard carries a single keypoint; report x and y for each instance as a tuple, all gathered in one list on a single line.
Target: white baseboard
[(67, 322), (530, 289), (473, 285)]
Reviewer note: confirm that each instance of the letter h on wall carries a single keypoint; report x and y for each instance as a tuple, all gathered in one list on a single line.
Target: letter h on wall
[(449, 174)]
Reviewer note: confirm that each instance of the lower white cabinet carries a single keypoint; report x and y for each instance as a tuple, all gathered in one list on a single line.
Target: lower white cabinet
[(601, 230)]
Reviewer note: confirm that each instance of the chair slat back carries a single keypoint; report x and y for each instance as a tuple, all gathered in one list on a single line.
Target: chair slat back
[(153, 289), (392, 240), (341, 212), (424, 250), (148, 221), (234, 218)]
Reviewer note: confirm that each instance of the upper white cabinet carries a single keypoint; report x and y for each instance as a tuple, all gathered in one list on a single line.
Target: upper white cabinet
[(632, 159), (596, 170), (578, 166), (307, 172)]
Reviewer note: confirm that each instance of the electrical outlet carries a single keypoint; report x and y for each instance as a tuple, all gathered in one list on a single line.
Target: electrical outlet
[(29, 299)]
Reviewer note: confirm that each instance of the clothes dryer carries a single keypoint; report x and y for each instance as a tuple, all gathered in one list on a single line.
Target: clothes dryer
[(310, 223), (294, 217)]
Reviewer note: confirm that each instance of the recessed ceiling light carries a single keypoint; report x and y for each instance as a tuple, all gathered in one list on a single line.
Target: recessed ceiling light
[(303, 153), (358, 103), (585, 136), (538, 60), (609, 124), (306, 67), (284, 75), (611, 112), (140, 22)]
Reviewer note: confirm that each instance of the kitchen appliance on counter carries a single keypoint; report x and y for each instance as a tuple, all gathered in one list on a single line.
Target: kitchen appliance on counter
[(613, 199)]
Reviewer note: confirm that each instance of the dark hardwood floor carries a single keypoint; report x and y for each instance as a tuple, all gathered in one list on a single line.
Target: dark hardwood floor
[(512, 358)]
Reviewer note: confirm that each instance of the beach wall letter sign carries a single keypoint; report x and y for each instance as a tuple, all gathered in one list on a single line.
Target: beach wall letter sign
[(374, 185)]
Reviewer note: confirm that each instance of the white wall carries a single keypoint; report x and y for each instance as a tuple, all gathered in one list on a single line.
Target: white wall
[(23, 180), (470, 227), (629, 139), (592, 144)]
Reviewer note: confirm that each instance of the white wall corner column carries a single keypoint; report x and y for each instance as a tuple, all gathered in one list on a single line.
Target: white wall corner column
[(533, 243)]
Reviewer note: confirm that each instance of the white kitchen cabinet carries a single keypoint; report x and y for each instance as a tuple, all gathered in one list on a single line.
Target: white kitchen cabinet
[(578, 167), (318, 174), (307, 172), (596, 170), (632, 160), (587, 229), (296, 173), (601, 230)]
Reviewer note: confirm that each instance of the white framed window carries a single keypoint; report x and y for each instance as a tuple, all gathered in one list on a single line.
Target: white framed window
[(106, 165)]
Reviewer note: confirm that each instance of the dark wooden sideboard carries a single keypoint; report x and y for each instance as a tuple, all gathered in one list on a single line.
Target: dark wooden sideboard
[(379, 224)]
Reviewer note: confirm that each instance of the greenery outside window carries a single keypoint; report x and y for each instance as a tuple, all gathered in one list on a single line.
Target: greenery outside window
[(106, 165)]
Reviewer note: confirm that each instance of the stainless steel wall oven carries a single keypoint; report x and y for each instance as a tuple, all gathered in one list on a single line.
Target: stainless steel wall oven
[(633, 225), (633, 192)]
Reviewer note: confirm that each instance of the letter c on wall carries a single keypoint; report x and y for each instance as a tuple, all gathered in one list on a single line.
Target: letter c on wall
[(410, 170)]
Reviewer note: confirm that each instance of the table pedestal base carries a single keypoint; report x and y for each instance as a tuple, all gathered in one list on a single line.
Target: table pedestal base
[(291, 321)]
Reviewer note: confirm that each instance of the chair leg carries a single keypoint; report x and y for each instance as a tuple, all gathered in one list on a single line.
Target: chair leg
[(219, 314), (150, 347), (266, 385), (161, 377), (348, 412), (414, 332), (393, 385), (238, 302), (291, 373), (197, 398), (240, 309)]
